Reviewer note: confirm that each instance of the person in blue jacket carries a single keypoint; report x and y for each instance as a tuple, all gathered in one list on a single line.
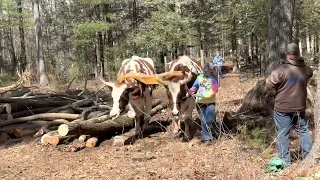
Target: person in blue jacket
[(218, 61), (204, 89)]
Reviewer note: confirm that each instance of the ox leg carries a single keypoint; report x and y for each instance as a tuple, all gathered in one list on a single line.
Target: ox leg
[(138, 126), (176, 126), (131, 112), (187, 128), (148, 107)]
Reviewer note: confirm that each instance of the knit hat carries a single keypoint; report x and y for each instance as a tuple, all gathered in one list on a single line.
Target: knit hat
[(292, 49), (209, 66)]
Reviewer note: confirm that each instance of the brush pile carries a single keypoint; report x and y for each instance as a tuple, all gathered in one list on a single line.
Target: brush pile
[(60, 118)]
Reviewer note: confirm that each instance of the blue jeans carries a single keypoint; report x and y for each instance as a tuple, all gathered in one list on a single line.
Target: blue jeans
[(284, 122), (207, 117), (219, 69)]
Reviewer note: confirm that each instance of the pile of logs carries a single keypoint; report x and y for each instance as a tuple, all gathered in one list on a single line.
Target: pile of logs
[(62, 118)]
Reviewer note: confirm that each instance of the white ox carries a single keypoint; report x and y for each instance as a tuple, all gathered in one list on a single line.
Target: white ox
[(132, 93), (182, 104)]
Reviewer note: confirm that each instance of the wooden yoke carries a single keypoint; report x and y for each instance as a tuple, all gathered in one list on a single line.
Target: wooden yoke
[(147, 79)]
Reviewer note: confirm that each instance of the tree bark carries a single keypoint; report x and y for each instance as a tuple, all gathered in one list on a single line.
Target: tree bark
[(314, 156), (23, 55), (43, 80), (280, 31)]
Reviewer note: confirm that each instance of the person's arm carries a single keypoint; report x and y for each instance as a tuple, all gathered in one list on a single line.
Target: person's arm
[(274, 80), (195, 86), (214, 60), (213, 90)]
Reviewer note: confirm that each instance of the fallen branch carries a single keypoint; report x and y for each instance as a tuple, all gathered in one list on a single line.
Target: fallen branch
[(44, 116), (84, 102), (13, 86), (27, 112)]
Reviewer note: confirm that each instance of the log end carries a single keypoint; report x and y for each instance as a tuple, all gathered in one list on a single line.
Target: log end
[(83, 138), (91, 142), (63, 130), (47, 139)]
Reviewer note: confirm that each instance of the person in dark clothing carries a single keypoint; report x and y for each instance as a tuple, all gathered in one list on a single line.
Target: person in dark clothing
[(290, 82)]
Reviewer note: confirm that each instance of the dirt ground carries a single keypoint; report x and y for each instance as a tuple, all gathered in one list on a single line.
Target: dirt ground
[(156, 157)]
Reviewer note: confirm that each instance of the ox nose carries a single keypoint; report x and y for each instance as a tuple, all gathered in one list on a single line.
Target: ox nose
[(175, 112)]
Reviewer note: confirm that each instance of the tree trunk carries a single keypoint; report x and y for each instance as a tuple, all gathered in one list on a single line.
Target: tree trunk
[(280, 31), (10, 45), (39, 51), (314, 156), (257, 99), (23, 56)]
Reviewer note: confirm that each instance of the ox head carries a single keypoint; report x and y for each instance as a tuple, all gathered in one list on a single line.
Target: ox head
[(177, 88), (122, 94)]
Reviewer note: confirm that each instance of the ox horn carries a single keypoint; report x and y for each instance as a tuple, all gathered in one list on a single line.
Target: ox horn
[(186, 80), (110, 84), (159, 78)]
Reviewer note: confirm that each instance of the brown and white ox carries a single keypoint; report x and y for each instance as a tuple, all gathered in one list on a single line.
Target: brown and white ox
[(182, 104), (132, 93)]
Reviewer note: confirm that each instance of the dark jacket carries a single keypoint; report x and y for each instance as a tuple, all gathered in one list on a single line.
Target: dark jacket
[(290, 81)]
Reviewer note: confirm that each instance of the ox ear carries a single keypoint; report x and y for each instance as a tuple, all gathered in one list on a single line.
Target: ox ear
[(109, 84)]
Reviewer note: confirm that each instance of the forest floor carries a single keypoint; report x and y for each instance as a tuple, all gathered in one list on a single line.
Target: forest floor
[(156, 157)]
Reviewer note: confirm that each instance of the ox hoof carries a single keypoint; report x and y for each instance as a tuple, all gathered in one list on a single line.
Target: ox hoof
[(119, 141)]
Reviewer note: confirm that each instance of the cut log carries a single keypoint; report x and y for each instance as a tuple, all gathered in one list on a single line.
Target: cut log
[(9, 117), (43, 139), (8, 108), (92, 142), (28, 112), (83, 138), (108, 126), (44, 116), (55, 139), (30, 102), (2, 109), (46, 126), (3, 136), (81, 103), (23, 132)]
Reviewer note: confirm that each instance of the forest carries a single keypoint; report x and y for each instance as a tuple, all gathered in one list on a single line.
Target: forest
[(52, 104)]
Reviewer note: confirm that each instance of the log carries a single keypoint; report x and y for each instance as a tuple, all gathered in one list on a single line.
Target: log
[(83, 138), (8, 108), (13, 86), (3, 136), (30, 102), (45, 127), (108, 126), (9, 117), (23, 132), (44, 116), (81, 103), (28, 112), (92, 142), (15, 93), (55, 139)]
